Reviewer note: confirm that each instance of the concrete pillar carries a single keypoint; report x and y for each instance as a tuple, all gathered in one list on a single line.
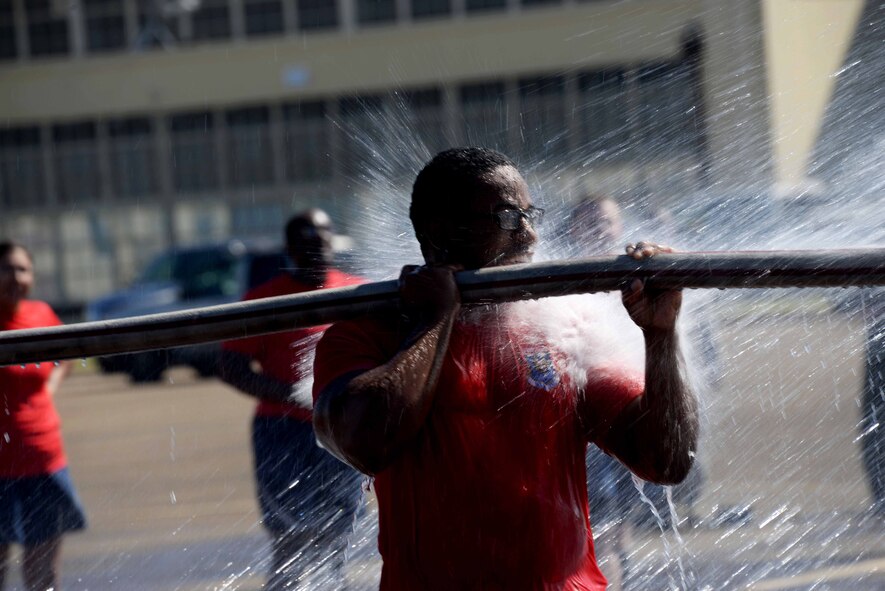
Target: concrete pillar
[(237, 20), (277, 129), (130, 17), (735, 80), (20, 19), (347, 16), (165, 186), (76, 28)]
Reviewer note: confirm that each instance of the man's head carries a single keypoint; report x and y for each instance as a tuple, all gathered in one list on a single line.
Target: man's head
[(470, 206), (309, 241), (16, 274), (595, 225)]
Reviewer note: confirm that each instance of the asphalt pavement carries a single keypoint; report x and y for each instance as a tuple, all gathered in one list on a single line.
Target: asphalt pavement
[(164, 471)]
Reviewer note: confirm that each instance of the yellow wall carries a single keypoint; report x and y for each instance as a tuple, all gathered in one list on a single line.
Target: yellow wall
[(805, 44), (535, 40)]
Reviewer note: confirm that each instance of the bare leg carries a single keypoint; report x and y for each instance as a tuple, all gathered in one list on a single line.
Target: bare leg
[(40, 565), (4, 556)]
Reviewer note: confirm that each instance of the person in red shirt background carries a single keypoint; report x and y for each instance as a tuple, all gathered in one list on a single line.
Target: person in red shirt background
[(38, 503), (474, 430), (308, 498)]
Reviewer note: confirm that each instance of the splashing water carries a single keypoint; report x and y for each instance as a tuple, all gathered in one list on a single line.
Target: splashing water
[(784, 492), (786, 368)]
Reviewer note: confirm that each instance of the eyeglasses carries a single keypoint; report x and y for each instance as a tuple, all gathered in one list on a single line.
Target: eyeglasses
[(508, 219)]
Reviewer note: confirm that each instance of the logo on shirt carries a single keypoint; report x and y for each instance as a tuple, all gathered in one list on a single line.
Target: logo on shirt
[(542, 370)]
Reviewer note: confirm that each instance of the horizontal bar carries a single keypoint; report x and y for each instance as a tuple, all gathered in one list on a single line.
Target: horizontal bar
[(759, 269)]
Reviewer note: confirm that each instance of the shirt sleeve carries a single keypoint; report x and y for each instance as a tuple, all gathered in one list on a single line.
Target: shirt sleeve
[(607, 394), (50, 318), (345, 348)]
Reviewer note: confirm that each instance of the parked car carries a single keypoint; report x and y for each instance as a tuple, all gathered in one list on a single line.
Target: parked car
[(184, 278)]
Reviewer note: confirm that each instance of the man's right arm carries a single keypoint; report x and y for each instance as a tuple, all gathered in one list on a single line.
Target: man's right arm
[(365, 418), (236, 369)]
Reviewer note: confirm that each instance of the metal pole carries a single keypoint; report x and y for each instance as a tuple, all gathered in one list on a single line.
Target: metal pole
[(812, 268)]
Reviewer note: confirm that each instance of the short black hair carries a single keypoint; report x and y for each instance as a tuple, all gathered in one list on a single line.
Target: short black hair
[(305, 219), (451, 174), (7, 246)]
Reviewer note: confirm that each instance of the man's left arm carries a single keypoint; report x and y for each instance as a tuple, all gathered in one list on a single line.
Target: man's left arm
[(656, 434)]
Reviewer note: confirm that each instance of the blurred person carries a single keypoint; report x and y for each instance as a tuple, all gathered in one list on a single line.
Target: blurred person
[(38, 502), (596, 227), (872, 423), (308, 498), (474, 431), (869, 303)]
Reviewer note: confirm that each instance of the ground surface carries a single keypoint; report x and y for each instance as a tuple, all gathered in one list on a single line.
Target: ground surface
[(165, 474)]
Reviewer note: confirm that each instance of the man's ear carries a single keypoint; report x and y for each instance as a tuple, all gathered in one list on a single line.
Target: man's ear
[(433, 238)]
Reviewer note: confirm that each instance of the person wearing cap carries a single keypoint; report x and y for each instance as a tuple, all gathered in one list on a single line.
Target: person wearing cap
[(307, 497)]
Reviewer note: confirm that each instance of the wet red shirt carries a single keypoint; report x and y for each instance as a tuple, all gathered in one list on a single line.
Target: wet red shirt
[(286, 356), (30, 428), (492, 494)]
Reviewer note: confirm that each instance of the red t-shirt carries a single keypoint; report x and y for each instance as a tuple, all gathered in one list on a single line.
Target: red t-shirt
[(30, 428), (286, 356), (492, 494)]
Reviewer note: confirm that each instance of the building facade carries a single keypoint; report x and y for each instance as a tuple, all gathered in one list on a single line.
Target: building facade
[(129, 126)]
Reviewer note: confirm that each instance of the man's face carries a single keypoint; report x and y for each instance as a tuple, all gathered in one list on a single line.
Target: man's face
[(311, 247), (16, 277), (473, 234)]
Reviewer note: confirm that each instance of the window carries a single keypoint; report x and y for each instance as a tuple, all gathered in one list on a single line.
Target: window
[(540, 2), (317, 14), (666, 108), (258, 220), (205, 274), (211, 20), (21, 168), (430, 8), (47, 28), (602, 111), (542, 116), (249, 150), (361, 135), (133, 161), (8, 48), (105, 24), (425, 109), (76, 162), (263, 17), (307, 141), (375, 11), (484, 113), (484, 5), (194, 157)]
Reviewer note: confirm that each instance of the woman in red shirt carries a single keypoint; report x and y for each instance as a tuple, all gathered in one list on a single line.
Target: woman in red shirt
[(38, 502)]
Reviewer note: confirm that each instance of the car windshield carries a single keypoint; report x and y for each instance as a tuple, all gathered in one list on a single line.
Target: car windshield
[(201, 274)]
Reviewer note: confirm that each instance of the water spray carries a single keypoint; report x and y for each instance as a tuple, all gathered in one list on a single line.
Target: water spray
[(685, 270)]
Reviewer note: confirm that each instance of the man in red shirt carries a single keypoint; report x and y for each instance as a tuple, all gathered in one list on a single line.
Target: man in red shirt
[(308, 498), (471, 423)]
